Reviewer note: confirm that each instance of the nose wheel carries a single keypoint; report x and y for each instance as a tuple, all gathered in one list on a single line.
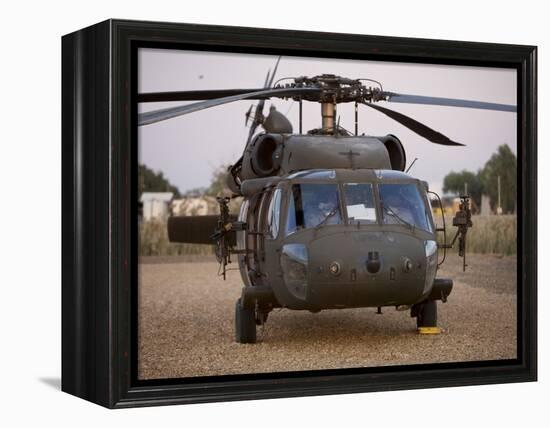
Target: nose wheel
[(245, 324)]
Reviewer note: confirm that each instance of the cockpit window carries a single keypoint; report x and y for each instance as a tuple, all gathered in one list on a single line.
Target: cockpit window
[(402, 204), (274, 214), (360, 206), (311, 205)]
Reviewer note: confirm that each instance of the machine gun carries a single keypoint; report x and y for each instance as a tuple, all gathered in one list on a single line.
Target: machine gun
[(463, 221), (225, 234)]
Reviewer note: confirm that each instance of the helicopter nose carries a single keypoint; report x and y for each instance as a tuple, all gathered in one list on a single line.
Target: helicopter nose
[(366, 269)]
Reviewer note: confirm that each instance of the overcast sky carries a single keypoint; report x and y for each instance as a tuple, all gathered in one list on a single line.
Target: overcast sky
[(188, 148)]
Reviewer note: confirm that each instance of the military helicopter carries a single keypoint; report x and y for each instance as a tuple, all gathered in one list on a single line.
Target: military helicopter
[(329, 219)]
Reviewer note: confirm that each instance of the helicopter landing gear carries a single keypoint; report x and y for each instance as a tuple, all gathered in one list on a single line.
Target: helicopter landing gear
[(426, 317), (245, 324), (261, 317)]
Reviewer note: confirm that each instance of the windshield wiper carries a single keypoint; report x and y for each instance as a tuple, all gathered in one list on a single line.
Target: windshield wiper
[(392, 213), (329, 215)]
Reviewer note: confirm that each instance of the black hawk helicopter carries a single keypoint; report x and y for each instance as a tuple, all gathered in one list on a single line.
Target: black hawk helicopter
[(329, 218)]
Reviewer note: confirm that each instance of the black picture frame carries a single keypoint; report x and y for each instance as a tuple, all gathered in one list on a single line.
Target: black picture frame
[(99, 343)]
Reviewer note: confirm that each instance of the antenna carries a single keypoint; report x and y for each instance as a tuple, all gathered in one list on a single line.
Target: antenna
[(300, 115), (411, 165), (356, 118)]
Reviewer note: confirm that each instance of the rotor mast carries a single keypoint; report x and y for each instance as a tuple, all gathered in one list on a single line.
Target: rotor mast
[(328, 113)]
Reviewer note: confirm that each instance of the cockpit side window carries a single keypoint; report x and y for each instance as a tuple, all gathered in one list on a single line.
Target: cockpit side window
[(311, 205), (274, 214), (401, 203), (360, 205), (292, 215)]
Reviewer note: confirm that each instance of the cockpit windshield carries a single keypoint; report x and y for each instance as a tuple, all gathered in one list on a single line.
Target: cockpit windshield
[(359, 201), (311, 205), (401, 203)]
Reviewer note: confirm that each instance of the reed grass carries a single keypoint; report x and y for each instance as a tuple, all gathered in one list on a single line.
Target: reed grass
[(489, 234)]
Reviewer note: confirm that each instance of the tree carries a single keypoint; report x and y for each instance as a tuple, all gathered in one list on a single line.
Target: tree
[(151, 181), (454, 182), (502, 164), (196, 192), (218, 184)]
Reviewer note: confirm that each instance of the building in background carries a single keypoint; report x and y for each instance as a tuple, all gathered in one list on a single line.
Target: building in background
[(201, 205), (155, 205)]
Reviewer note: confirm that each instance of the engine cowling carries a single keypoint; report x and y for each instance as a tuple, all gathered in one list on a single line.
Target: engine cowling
[(270, 155), (266, 155), (396, 152)]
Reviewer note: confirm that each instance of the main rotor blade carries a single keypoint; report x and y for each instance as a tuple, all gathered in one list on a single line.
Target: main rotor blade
[(259, 113), (209, 94), (171, 112), (268, 85), (415, 126), (451, 102)]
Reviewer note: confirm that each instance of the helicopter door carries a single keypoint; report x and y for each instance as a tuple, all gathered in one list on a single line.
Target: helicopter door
[(243, 243), (251, 258), (257, 221)]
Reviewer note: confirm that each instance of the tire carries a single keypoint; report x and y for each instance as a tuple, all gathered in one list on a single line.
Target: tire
[(427, 314), (245, 324)]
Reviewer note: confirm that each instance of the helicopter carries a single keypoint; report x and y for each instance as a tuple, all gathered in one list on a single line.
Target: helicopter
[(330, 219)]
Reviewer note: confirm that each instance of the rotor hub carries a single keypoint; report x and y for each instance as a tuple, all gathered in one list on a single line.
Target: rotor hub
[(335, 89)]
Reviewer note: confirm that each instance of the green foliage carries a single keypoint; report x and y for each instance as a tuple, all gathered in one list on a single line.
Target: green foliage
[(504, 164), (197, 192), (151, 181), (454, 182), (218, 183)]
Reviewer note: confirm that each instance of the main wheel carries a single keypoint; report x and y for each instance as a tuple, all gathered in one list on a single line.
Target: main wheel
[(245, 324), (426, 318)]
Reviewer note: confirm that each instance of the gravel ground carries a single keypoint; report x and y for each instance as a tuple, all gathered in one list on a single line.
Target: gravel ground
[(186, 324)]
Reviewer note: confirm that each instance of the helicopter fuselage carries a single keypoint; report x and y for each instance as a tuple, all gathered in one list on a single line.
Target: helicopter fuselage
[(338, 238)]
